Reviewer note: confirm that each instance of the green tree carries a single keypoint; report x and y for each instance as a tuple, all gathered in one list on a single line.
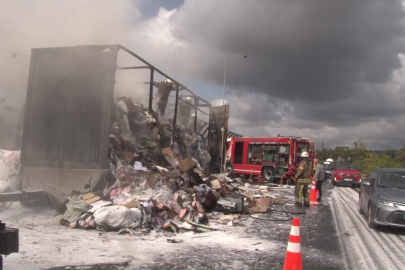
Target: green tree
[(384, 160), (322, 154), (400, 157), (366, 160), (359, 151)]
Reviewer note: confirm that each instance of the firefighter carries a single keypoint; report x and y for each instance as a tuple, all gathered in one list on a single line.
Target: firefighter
[(162, 95), (302, 179)]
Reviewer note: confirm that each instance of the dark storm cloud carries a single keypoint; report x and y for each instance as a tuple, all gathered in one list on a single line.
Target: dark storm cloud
[(303, 49), (333, 62), (324, 69)]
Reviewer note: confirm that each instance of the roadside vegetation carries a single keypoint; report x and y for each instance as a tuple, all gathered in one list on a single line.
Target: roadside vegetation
[(365, 159)]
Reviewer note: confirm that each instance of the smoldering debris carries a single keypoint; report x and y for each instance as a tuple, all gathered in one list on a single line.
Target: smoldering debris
[(147, 197), (158, 180), (135, 208)]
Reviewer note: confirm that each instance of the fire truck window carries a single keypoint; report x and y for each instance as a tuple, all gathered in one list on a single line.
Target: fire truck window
[(238, 153), (269, 153), (260, 154), (301, 148), (255, 154), (283, 155)]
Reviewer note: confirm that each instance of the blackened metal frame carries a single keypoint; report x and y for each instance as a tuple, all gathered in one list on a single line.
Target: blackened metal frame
[(179, 86)]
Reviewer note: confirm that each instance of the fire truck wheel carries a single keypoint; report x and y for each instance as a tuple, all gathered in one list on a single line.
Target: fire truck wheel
[(267, 173), (229, 169)]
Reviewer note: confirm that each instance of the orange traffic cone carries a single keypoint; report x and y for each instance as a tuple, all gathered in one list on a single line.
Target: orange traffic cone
[(293, 259), (312, 196)]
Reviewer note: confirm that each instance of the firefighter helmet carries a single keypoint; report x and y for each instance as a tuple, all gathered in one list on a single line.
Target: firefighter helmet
[(304, 154)]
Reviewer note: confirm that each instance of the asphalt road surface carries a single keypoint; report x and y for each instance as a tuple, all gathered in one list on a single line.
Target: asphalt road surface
[(333, 236), (365, 248), (260, 243)]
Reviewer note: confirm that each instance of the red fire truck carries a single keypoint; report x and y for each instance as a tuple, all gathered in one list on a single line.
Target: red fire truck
[(274, 158)]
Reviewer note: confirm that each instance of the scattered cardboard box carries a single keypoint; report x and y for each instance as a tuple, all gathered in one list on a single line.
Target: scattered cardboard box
[(187, 164), (266, 201), (277, 200), (215, 184), (199, 207), (259, 209), (251, 203), (170, 157), (248, 197), (90, 197)]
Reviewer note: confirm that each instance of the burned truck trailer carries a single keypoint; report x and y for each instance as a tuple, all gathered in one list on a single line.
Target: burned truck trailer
[(70, 114)]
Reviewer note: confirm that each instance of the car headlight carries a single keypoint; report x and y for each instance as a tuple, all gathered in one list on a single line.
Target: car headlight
[(385, 202)]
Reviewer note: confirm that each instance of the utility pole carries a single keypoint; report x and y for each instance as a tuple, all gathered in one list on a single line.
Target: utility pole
[(223, 161)]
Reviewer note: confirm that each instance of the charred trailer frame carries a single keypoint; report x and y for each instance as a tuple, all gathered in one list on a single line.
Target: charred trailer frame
[(67, 119)]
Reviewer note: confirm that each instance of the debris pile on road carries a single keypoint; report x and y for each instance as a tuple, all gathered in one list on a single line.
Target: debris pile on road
[(158, 179), (145, 196), (161, 201)]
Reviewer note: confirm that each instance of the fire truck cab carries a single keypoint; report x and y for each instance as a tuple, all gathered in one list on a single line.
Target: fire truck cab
[(274, 158)]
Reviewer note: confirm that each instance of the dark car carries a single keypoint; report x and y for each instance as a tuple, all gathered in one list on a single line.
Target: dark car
[(382, 197), (346, 174)]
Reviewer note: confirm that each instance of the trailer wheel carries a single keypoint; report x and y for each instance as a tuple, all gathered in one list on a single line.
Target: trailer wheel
[(267, 174), (30, 204), (36, 203), (229, 170)]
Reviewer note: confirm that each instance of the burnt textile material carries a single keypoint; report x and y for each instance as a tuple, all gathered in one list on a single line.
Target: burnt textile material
[(75, 207)]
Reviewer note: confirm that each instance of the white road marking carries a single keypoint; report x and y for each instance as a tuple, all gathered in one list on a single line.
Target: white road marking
[(364, 247)]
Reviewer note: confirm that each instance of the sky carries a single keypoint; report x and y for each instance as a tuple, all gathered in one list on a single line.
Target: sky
[(331, 71)]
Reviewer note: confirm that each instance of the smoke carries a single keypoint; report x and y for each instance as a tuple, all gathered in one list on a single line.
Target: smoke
[(305, 58), (40, 24)]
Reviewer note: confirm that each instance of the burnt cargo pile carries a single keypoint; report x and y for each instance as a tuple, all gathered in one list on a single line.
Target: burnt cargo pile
[(147, 197), (173, 194), (160, 199), (111, 163), (90, 134)]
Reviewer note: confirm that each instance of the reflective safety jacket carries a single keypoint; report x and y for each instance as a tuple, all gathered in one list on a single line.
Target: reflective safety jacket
[(303, 174)]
